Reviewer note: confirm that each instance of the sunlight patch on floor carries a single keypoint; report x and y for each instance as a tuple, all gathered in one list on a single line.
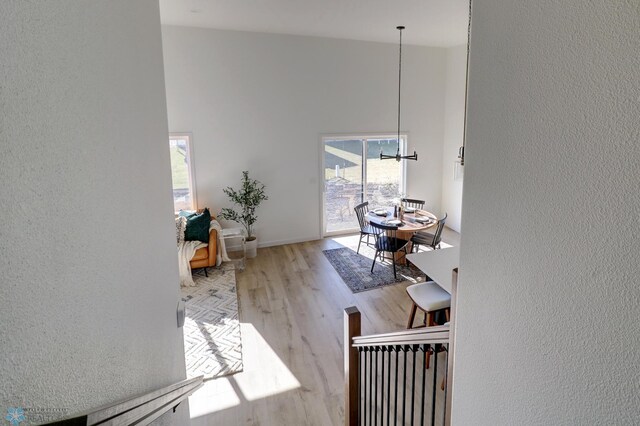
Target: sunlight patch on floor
[(264, 375), (215, 395), (351, 241), (264, 372), (347, 240)]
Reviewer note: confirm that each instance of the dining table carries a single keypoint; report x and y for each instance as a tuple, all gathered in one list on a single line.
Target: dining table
[(412, 221)]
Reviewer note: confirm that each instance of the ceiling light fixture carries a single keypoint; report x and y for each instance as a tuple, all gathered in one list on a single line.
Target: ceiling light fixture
[(399, 157)]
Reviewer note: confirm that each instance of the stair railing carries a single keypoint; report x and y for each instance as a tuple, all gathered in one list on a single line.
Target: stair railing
[(387, 381), (139, 410)]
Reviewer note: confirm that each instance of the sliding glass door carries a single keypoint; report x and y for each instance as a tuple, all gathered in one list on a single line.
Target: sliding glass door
[(352, 172)]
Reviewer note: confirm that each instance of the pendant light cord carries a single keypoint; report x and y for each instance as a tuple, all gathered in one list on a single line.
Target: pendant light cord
[(399, 85)]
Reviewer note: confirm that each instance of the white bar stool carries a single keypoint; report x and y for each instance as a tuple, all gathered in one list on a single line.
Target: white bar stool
[(430, 298)]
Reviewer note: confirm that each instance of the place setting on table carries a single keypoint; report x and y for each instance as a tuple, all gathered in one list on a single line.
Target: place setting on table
[(407, 219)]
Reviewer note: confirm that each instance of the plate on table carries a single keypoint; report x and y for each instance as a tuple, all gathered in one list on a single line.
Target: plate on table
[(380, 212), (424, 220), (394, 222), (409, 210)]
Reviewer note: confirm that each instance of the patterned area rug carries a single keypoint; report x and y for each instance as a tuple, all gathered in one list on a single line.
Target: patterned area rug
[(355, 270), (212, 343)]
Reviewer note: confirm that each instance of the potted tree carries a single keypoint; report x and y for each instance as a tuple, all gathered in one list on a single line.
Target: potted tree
[(247, 198)]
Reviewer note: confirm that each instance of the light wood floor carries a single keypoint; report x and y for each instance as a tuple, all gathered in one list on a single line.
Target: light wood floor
[(291, 304)]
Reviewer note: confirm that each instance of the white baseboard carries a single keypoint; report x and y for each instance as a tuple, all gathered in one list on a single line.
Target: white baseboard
[(237, 247), (289, 241)]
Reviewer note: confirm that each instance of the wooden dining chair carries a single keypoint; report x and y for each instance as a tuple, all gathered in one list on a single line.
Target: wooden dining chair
[(365, 229), (412, 203), (423, 238), (387, 240), (432, 299)]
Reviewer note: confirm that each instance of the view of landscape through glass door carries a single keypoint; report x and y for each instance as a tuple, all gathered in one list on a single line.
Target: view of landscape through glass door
[(353, 173)]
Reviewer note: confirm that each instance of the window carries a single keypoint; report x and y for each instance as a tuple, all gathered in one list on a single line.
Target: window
[(182, 171), (352, 172)]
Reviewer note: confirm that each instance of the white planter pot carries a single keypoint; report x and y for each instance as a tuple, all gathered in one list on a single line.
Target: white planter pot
[(252, 248)]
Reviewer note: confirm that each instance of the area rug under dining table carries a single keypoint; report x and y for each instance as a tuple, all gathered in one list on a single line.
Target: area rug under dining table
[(355, 269), (212, 340)]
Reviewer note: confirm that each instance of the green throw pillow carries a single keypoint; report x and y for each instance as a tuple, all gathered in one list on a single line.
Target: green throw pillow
[(198, 227)]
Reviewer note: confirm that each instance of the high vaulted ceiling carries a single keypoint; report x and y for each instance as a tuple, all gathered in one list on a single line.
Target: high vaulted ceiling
[(428, 22)]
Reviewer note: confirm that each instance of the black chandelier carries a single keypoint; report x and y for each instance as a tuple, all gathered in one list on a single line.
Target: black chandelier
[(399, 157)]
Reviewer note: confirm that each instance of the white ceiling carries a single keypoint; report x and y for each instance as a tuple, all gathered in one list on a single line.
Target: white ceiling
[(428, 22)]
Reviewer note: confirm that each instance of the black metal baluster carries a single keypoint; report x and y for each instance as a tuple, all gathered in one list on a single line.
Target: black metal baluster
[(404, 384), (359, 384), (446, 384), (370, 384), (389, 385), (435, 378), (364, 372), (395, 401), (383, 349), (413, 381), (424, 377), (375, 390)]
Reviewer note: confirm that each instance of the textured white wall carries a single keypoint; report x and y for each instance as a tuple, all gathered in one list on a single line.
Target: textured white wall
[(260, 101), (87, 253), (549, 294), (453, 133)]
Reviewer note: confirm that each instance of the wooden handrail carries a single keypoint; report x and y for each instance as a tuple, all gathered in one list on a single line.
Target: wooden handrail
[(140, 410), (426, 335)]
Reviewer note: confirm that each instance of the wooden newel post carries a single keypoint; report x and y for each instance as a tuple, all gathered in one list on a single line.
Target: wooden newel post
[(351, 366)]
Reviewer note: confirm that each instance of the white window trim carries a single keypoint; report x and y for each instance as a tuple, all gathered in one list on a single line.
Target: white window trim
[(350, 136), (192, 169)]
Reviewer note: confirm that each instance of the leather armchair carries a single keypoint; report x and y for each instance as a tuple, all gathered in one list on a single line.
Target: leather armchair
[(206, 256)]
